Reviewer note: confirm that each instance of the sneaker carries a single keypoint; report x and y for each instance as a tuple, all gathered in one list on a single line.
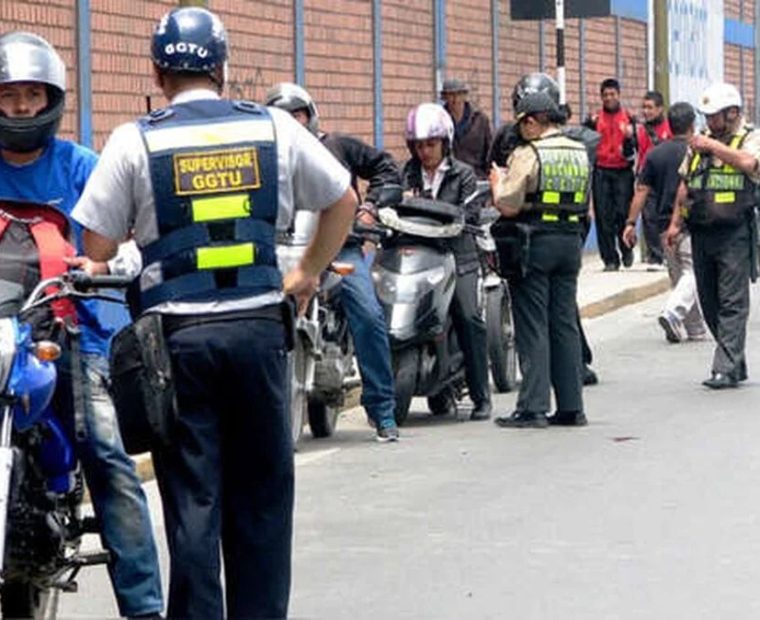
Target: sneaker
[(673, 327), (628, 259), (387, 434)]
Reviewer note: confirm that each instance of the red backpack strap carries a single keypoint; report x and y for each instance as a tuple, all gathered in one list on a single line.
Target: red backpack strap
[(53, 247)]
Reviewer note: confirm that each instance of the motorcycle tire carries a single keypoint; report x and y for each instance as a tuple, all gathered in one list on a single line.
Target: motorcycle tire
[(322, 418), (297, 363), (19, 599), (501, 339), (442, 403), (405, 364)]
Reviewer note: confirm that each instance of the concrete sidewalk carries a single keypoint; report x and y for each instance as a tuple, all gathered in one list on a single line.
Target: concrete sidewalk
[(599, 292)]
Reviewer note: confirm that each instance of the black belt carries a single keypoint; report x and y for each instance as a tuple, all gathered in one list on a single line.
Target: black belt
[(174, 322)]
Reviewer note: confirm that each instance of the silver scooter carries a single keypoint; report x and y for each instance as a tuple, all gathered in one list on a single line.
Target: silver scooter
[(415, 277)]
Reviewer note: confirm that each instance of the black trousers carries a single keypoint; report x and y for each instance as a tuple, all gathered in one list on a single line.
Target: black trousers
[(546, 326), (652, 229), (721, 258), (229, 476), (613, 191), (471, 335)]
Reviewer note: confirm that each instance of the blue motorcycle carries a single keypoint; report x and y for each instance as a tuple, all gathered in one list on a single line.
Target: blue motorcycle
[(41, 482)]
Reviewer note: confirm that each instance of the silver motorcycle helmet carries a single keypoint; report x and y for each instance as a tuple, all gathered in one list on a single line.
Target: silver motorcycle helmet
[(292, 97), (27, 57)]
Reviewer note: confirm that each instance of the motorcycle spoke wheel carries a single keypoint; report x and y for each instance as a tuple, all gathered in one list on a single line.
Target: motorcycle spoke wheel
[(501, 341)]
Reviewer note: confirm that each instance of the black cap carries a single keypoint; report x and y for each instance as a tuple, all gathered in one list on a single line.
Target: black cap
[(453, 85), (535, 103)]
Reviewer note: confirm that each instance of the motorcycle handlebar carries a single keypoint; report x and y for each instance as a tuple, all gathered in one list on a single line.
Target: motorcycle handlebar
[(82, 281)]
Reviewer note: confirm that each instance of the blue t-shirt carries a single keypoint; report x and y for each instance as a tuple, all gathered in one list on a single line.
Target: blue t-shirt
[(58, 178)]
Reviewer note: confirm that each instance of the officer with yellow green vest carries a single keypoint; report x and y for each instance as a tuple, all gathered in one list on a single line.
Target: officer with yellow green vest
[(203, 186), (717, 201), (542, 195)]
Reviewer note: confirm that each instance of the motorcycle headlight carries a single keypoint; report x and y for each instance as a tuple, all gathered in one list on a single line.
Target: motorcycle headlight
[(405, 289)]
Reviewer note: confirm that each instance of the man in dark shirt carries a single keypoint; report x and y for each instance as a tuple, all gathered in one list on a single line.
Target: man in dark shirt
[(657, 185), (472, 128)]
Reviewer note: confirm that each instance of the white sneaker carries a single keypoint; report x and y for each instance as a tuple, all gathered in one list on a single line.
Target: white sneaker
[(673, 327)]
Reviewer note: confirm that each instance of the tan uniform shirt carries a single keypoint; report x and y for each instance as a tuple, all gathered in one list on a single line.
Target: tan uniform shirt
[(751, 145), (521, 177)]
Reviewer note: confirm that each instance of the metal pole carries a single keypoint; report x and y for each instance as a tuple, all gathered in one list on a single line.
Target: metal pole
[(618, 54), (582, 67), (377, 68), (496, 90), (560, 17), (741, 54), (439, 24), (298, 42), (541, 46), (84, 73), (661, 52)]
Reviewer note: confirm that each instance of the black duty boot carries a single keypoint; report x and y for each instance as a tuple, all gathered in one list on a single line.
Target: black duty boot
[(481, 411), (523, 419), (720, 381), (568, 418)]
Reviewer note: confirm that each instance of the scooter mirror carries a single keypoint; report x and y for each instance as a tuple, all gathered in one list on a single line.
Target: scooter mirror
[(482, 190), (390, 195)]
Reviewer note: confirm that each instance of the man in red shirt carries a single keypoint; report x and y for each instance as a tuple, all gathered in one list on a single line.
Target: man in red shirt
[(613, 176), (654, 130)]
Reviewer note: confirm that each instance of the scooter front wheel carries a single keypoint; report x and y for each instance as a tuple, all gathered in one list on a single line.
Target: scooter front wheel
[(405, 364)]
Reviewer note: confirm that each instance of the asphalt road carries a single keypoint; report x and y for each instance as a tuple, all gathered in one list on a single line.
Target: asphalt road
[(649, 512)]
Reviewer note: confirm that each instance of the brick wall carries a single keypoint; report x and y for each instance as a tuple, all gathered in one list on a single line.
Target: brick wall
[(339, 56), (408, 72)]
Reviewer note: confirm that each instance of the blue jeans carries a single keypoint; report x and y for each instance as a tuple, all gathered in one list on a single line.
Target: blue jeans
[(366, 322), (117, 496)]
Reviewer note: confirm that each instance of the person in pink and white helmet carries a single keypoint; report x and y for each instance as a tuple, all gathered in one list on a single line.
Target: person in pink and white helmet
[(433, 172)]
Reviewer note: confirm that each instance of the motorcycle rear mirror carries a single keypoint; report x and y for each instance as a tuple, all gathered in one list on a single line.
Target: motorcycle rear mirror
[(389, 195)]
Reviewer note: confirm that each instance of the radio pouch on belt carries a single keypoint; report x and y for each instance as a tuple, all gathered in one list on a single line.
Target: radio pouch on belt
[(142, 386), (512, 245)]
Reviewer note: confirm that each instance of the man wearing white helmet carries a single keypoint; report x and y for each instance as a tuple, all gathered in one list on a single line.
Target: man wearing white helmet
[(433, 173), (716, 199)]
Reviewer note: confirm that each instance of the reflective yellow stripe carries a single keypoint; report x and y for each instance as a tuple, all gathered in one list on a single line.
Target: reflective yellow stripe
[(550, 198), (221, 208), (579, 198), (226, 256), (723, 198), (549, 217), (215, 134), (695, 162), (573, 219)]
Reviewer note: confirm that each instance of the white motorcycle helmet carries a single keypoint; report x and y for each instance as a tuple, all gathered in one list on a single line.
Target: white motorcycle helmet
[(426, 121), (717, 97), (291, 97)]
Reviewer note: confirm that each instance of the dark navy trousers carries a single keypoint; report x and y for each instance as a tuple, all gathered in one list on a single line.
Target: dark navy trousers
[(228, 478)]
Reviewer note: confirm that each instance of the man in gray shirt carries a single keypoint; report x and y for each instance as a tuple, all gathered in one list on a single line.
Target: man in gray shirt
[(203, 186)]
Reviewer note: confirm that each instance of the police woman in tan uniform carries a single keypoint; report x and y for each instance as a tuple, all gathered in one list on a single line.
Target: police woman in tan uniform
[(542, 196), (717, 199)]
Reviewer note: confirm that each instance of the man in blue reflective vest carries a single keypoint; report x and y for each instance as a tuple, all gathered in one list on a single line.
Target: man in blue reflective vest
[(203, 186)]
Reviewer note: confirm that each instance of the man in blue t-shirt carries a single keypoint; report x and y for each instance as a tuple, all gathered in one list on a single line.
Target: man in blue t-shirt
[(35, 166)]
